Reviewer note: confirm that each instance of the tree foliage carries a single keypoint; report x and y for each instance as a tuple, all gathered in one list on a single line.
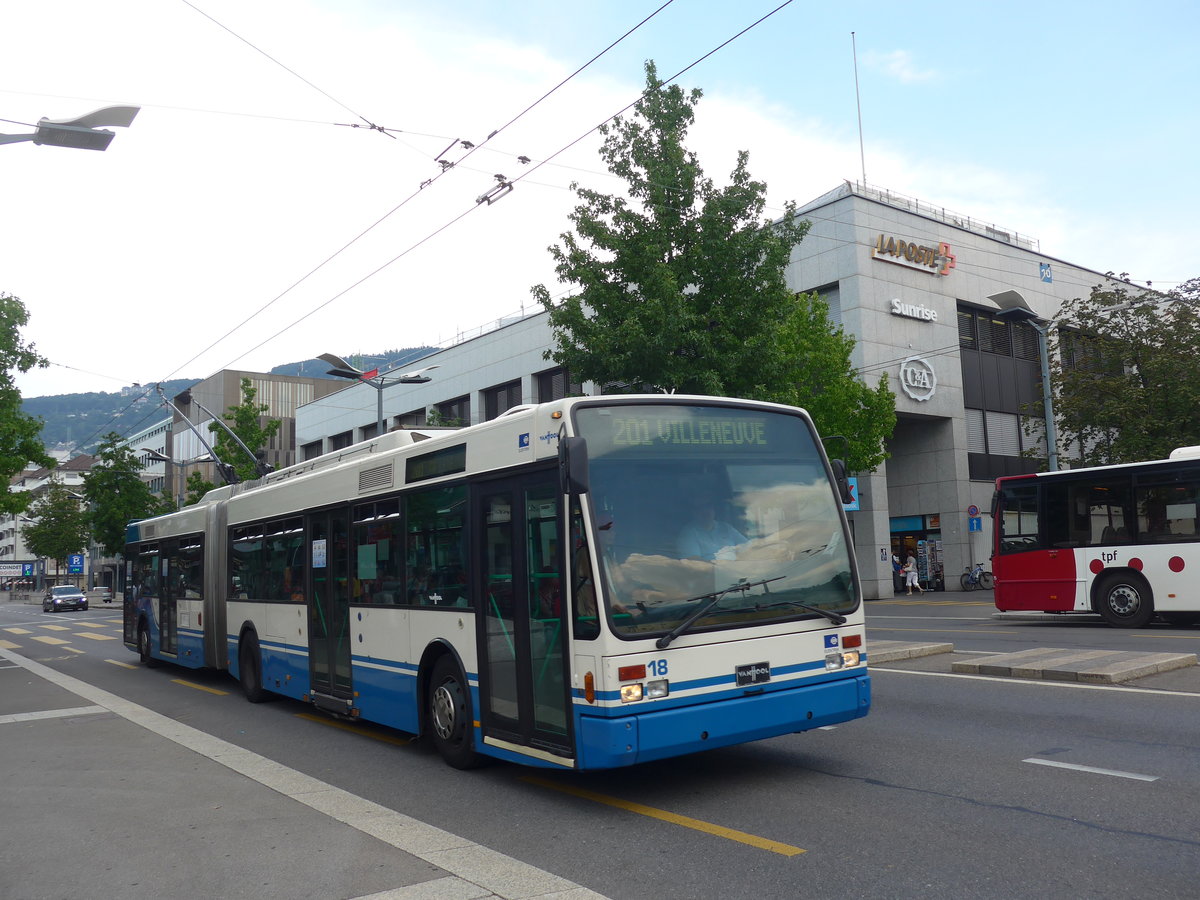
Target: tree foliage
[(681, 286), (1125, 384), (20, 442), (60, 525), (246, 421), (117, 494)]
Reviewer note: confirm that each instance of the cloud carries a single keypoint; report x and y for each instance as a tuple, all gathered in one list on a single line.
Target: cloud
[(900, 65)]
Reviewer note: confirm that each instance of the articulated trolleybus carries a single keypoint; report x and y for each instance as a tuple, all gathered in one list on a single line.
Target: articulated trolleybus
[(1122, 541), (588, 583)]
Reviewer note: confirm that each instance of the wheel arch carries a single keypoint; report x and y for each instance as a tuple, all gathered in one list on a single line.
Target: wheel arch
[(429, 658)]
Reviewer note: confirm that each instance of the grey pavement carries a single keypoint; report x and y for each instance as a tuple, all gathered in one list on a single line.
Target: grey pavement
[(106, 798)]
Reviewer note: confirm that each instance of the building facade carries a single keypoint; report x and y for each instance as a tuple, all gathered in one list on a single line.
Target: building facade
[(282, 394), (939, 303)]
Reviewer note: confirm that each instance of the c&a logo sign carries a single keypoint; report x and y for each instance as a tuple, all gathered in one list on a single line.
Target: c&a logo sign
[(917, 378)]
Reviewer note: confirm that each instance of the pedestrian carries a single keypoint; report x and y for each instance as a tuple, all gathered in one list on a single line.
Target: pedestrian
[(910, 576)]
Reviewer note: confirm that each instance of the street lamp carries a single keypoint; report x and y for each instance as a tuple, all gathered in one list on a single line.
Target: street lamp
[(343, 369), (183, 464), (81, 132), (1016, 309)]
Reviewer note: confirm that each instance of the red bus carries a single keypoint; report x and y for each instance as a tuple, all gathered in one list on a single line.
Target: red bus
[(1122, 541)]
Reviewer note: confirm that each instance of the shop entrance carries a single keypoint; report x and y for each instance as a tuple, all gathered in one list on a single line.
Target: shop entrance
[(921, 538)]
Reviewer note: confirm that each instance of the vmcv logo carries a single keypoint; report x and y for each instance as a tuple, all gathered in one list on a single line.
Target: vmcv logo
[(917, 378)]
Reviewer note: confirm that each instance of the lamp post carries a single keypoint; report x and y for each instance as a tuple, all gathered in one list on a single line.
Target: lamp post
[(183, 464), (1020, 312), (82, 132), (343, 369)]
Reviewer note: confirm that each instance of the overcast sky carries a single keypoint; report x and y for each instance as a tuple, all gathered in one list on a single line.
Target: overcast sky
[(1073, 123)]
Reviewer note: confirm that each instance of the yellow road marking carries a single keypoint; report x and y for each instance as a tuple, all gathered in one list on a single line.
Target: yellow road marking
[(9, 645), (56, 627), (18, 631), (73, 650), (93, 624), (355, 729), (199, 687), (91, 635), (46, 639), (123, 665), (673, 818)]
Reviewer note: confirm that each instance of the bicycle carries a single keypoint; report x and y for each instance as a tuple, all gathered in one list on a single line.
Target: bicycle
[(972, 578)]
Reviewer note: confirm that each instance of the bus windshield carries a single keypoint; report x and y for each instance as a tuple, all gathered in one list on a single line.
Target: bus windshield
[(692, 501)]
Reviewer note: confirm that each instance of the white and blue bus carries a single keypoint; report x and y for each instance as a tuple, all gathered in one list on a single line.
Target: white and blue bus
[(588, 583)]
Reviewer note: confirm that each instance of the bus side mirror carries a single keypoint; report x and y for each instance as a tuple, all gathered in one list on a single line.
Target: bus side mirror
[(572, 465), (843, 482)]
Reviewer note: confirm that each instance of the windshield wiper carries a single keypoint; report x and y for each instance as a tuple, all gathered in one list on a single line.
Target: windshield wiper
[(835, 618), (711, 600)]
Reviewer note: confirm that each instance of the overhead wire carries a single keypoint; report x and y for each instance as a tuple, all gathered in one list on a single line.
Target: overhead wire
[(402, 203), (405, 201)]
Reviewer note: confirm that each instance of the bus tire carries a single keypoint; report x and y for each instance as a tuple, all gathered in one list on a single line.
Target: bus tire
[(143, 644), (449, 708), (250, 669), (1124, 600)]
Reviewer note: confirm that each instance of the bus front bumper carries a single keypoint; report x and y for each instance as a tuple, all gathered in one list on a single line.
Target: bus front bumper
[(606, 743)]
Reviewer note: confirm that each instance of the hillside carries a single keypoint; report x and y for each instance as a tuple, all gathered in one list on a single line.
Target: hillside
[(82, 420)]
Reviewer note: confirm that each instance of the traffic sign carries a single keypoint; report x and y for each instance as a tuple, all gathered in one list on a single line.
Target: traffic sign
[(972, 510), (975, 524), (75, 564)]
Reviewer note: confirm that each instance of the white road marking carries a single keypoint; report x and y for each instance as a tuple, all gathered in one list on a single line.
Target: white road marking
[(1037, 682), (1092, 769)]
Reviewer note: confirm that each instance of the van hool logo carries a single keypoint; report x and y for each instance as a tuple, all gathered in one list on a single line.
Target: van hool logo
[(937, 260), (917, 378)]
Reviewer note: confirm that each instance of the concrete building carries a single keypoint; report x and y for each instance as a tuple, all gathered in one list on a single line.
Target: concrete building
[(921, 289)]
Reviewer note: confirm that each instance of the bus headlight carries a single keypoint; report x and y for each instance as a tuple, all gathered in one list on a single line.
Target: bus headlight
[(657, 689), (841, 659), (631, 693)]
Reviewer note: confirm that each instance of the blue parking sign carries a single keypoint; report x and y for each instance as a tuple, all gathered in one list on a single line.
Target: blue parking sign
[(75, 564)]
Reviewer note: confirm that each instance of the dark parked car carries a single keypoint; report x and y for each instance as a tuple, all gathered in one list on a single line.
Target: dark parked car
[(64, 596)]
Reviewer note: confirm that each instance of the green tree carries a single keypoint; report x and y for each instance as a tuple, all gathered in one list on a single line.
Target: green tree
[(20, 442), (117, 494), (246, 420), (681, 286), (60, 525), (1125, 389)]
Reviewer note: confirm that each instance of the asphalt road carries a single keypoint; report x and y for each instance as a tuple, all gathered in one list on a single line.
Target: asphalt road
[(954, 786)]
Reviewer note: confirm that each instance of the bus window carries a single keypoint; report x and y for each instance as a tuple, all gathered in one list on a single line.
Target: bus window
[(1019, 522), (436, 566)]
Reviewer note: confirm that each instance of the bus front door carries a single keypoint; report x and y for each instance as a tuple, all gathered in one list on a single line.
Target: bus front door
[(522, 666), (329, 611)]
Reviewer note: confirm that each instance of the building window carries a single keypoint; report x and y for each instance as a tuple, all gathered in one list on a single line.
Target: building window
[(1001, 443), (555, 384), (415, 419), (456, 413), (341, 441), (498, 400), (310, 451)]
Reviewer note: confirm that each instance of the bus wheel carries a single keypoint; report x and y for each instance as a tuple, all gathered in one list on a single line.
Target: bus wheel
[(144, 647), (450, 723), (1125, 601), (250, 670)]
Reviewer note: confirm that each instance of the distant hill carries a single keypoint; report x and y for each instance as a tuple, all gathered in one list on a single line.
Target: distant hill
[(82, 420)]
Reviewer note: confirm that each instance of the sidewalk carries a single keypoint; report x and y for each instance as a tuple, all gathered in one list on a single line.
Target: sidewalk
[(106, 798)]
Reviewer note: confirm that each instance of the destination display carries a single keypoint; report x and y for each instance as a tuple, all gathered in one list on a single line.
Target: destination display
[(688, 430)]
